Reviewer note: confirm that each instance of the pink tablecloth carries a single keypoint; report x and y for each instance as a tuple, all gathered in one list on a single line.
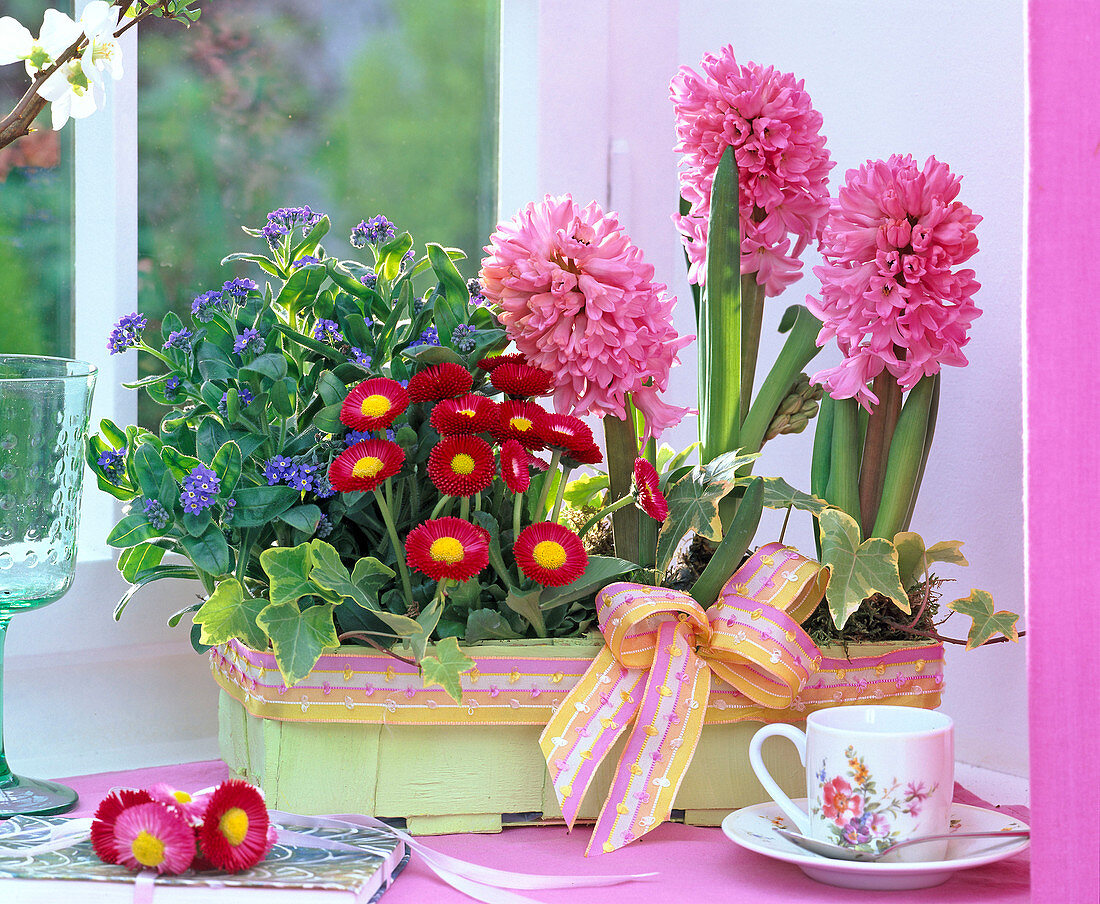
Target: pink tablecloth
[(695, 864)]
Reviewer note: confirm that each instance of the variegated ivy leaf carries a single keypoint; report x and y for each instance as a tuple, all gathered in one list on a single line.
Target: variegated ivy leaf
[(445, 667), (914, 559), (859, 569), (987, 623)]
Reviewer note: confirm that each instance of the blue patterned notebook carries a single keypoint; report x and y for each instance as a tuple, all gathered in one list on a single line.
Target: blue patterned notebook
[(292, 874)]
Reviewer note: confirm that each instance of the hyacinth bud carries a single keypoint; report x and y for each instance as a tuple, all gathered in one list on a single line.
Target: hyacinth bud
[(797, 409)]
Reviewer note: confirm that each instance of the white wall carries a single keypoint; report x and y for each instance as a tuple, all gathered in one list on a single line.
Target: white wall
[(929, 77)]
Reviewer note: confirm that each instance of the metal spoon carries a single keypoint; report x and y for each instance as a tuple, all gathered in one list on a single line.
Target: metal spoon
[(839, 852)]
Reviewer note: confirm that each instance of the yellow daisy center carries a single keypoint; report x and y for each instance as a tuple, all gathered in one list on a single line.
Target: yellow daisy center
[(549, 554), (463, 463), (375, 405), (521, 424), (447, 549), (234, 825), (367, 466), (148, 850), (182, 796)]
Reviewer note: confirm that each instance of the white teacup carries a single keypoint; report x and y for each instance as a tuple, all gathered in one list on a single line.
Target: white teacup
[(875, 775)]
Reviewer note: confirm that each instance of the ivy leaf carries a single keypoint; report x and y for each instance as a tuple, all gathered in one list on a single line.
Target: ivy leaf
[(693, 506), (444, 668), (859, 570), (228, 614), (778, 494), (914, 559), (298, 637), (987, 623), (288, 569), (488, 624)]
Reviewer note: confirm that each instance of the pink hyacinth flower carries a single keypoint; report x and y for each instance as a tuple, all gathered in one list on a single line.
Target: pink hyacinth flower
[(890, 294), (578, 300), (783, 165)]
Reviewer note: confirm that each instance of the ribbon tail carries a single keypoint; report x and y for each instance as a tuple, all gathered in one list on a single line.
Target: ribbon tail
[(586, 725), (481, 882), (661, 744)]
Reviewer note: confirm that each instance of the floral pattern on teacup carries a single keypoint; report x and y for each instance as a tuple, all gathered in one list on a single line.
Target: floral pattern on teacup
[(859, 814)]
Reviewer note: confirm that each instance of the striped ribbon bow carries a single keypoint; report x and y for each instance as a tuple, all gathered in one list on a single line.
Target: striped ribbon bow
[(653, 677)]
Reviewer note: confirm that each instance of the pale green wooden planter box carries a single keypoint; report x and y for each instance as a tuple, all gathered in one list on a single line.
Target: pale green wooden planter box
[(475, 777)]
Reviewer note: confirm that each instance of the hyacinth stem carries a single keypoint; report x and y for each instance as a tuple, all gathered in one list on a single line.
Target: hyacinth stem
[(799, 349), (843, 487), (719, 325), (881, 424), (752, 323), (622, 450), (933, 410), (904, 463), (398, 548)]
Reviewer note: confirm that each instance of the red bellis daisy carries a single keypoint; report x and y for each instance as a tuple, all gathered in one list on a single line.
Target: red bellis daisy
[(447, 548), (491, 364), (234, 833), (467, 414), (461, 465), (514, 467), (550, 554), (520, 421), (103, 823), (440, 381), (521, 380), (647, 490), (373, 404), (362, 467)]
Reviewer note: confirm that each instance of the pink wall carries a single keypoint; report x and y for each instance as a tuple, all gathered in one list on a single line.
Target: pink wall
[(1063, 448)]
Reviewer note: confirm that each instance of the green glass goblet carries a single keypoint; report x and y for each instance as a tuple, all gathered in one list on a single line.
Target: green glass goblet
[(44, 408)]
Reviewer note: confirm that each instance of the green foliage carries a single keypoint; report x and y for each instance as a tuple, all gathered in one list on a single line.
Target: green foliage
[(445, 667), (986, 622)]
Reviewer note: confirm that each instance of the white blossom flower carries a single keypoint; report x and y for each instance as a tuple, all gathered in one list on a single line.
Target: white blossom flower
[(103, 53), (70, 94)]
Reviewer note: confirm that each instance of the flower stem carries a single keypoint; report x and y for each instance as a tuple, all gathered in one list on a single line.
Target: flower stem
[(600, 515), (398, 549), (555, 459), (880, 431)]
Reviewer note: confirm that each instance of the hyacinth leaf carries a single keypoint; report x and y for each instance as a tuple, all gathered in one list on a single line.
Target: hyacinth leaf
[(298, 637), (227, 463), (586, 490), (527, 606), (132, 530), (299, 291), (229, 614), (288, 569), (904, 463), (444, 668), (599, 572), (692, 507), (778, 494), (159, 573), (859, 570), (727, 557), (914, 559), (488, 624), (257, 506), (799, 350), (719, 319), (208, 551), (986, 622), (139, 558)]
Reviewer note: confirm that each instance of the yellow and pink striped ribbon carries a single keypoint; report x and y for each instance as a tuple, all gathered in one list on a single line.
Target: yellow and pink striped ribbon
[(653, 678)]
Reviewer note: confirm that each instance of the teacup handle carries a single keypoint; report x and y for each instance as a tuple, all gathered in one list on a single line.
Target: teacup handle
[(798, 816)]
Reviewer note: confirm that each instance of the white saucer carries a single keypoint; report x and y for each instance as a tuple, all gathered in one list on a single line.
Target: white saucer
[(751, 828)]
